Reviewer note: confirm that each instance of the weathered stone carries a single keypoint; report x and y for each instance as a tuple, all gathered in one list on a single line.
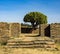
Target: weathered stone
[(44, 29), (4, 26), (38, 42), (55, 31), (15, 29)]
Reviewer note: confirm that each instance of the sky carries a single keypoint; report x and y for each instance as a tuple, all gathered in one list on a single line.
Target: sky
[(15, 10)]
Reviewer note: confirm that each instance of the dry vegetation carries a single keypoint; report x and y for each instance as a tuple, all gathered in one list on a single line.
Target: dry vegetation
[(6, 50)]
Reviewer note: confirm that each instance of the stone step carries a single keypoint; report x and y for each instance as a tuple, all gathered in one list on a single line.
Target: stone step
[(31, 43)]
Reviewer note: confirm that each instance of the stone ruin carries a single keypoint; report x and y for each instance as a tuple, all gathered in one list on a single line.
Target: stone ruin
[(14, 30), (9, 29)]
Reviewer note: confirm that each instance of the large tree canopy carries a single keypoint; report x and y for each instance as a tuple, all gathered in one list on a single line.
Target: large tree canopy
[(35, 18)]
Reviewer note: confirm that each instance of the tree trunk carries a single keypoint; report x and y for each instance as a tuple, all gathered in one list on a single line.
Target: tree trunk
[(33, 26)]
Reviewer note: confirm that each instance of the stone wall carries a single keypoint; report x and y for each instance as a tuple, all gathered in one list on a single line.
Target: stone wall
[(9, 29), (15, 29), (44, 29), (55, 31), (4, 32), (4, 29)]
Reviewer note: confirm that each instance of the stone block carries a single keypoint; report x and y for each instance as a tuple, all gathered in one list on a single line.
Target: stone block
[(15, 29)]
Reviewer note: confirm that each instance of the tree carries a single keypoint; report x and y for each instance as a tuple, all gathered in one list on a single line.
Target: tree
[(35, 18)]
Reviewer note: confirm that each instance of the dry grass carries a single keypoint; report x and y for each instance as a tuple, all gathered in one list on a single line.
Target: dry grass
[(6, 50)]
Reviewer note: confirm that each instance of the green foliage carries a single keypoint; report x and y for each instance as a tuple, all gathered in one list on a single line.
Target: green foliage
[(35, 18)]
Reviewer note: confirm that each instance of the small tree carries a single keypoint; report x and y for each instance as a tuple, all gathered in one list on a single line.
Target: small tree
[(35, 18)]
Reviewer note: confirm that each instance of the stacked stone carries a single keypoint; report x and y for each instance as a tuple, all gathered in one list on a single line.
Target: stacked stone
[(4, 31), (15, 29), (55, 31), (43, 29), (38, 42)]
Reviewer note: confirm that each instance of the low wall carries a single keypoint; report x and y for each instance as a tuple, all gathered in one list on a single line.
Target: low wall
[(44, 30), (55, 31), (15, 29), (4, 29), (10, 29)]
